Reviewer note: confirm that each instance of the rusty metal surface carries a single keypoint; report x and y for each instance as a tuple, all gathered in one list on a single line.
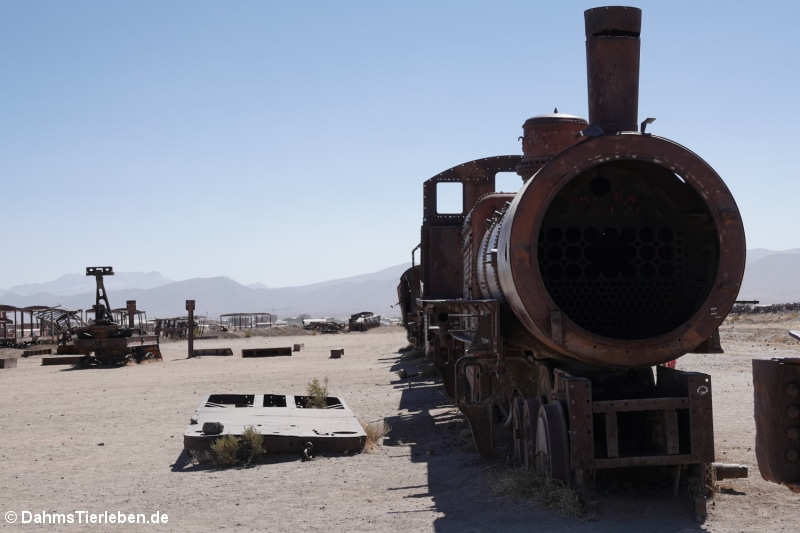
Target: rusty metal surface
[(198, 352), (622, 250), (529, 290), (40, 351), (544, 136), (62, 360), (612, 59), (440, 243), (363, 321), (776, 389), (285, 421), (267, 352)]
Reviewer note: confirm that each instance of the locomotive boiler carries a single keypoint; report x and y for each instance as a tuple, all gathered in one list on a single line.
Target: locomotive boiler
[(549, 312)]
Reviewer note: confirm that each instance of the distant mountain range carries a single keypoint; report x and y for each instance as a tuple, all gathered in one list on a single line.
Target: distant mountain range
[(71, 284), (161, 297), (770, 277)]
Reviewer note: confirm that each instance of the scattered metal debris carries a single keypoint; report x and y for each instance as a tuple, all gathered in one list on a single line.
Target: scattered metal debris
[(40, 351), (8, 362), (267, 352), (62, 360), (198, 352), (323, 325), (285, 421)]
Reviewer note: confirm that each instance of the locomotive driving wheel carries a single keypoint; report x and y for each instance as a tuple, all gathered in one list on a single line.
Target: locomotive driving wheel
[(552, 444), (517, 431), (530, 414)]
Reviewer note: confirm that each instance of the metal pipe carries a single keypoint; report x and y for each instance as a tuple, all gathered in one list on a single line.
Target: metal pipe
[(612, 67)]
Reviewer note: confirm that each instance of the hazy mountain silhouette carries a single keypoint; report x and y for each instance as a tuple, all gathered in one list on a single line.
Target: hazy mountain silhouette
[(375, 292)]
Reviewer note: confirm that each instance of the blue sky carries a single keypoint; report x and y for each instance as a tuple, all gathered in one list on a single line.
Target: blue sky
[(287, 142)]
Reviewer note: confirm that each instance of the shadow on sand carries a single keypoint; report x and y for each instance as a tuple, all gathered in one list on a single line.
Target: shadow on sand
[(459, 479)]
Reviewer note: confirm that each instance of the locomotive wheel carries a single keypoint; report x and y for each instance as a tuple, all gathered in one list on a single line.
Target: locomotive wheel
[(530, 417), (552, 444), (517, 430)]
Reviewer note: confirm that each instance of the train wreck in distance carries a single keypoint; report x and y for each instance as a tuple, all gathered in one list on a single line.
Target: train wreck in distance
[(363, 321), (546, 310)]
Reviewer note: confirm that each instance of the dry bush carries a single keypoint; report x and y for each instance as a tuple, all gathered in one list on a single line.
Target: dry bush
[(375, 431), (225, 451), (523, 484), (251, 445), (231, 450), (317, 393)]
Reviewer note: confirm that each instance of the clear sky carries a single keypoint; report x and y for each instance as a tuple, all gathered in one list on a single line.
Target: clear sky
[(287, 142)]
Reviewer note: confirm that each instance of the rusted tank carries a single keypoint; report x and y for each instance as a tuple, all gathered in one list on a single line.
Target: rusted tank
[(546, 309)]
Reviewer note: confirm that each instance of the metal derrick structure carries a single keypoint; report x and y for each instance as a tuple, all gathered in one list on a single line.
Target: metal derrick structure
[(546, 310), (104, 342)]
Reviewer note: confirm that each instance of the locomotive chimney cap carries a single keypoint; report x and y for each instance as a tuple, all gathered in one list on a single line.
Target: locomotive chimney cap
[(553, 117), (613, 21)]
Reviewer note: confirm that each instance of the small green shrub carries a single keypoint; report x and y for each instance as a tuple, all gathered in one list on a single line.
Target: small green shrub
[(251, 445), (225, 451), (317, 393), (231, 450)]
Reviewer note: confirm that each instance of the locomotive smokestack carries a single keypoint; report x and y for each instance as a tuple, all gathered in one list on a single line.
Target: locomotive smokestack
[(612, 67)]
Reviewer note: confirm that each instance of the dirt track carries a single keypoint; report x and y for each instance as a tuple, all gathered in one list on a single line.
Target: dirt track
[(424, 478)]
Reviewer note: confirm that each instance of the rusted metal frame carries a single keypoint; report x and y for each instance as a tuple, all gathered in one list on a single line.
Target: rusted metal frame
[(671, 431), (647, 460), (640, 404), (578, 394), (701, 419), (612, 434)]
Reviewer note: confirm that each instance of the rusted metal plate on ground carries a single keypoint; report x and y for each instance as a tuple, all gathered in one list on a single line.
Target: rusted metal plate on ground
[(286, 421), (267, 352), (42, 351), (212, 351), (62, 360), (8, 362), (776, 389)]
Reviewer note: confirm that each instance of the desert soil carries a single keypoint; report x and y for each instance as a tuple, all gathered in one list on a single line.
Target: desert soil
[(111, 440)]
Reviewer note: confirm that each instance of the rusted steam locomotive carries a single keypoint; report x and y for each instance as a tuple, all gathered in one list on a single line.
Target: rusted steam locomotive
[(547, 310)]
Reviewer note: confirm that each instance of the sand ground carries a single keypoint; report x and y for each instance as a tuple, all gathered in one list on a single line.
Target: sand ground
[(111, 440)]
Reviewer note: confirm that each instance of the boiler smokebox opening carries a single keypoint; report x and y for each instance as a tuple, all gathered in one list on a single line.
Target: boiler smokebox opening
[(628, 250)]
